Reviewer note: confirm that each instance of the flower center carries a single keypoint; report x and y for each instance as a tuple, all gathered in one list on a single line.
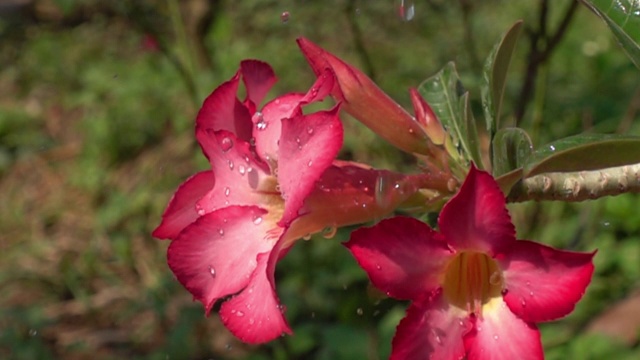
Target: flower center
[(471, 280)]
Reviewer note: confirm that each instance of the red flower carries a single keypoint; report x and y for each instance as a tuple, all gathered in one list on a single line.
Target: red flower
[(273, 180), (476, 291)]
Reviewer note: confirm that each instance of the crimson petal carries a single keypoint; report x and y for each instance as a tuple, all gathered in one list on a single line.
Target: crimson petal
[(544, 283), (431, 330), (181, 210), (255, 315), (222, 110), (476, 218), (258, 78), (501, 335), (238, 173), (268, 124), (308, 145), (402, 256), (216, 255)]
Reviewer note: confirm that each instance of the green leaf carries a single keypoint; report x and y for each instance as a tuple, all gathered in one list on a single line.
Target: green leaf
[(511, 149), (623, 19), (446, 96), (584, 152), (495, 75)]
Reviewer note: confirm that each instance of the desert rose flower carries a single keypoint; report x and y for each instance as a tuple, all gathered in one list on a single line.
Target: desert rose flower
[(476, 291), (273, 180)]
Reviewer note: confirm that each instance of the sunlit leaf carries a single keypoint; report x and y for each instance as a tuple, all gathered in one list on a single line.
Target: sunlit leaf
[(584, 152), (495, 75), (511, 149), (623, 18), (446, 96)]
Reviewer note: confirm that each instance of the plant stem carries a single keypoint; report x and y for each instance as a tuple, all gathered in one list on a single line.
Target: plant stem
[(578, 186)]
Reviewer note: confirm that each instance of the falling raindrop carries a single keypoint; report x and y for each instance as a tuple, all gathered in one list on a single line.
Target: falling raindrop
[(284, 17), (359, 311), (226, 144), (33, 332), (406, 10)]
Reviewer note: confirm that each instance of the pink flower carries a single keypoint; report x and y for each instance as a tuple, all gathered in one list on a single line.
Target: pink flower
[(364, 100), (273, 180), (476, 291)]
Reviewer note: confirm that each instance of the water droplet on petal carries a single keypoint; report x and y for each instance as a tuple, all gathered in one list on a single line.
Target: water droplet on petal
[(496, 337), (227, 191), (523, 303), (221, 232), (284, 17), (201, 212), (329, 231), (239, 313), (257, 220), (230, 164), (252, 321), (378, 267), (438, 340), (212, 271), (242, 170), (226, 144), (306, 237), (309, 130), (310, 163)]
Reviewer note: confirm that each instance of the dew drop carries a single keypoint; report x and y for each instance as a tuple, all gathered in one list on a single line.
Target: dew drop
[(242, 170), (201, 212), (257, 220), (306, 237), (310, 163), (438, 340), (329, 231), (33, 332), (227, 191), (309, 130), (226, 144), (495, 278), (221, 232), (378, 267), (284, 17), (495, 337), (523, 303), (230, 164), (252, 321), (552, 148), (239, 313)]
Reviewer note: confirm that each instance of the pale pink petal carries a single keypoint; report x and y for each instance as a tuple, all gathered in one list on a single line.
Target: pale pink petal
[(308, 145), (501, 335), (350, 193), (238, 173), (403, 256), (476, 218), (215, 256), (543, 283), (268, 124), (431, 330), (255, 315), (181, 210), (223, 111), (258, 78)]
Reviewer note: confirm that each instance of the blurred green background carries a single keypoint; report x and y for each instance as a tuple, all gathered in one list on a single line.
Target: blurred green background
[(97, 106)]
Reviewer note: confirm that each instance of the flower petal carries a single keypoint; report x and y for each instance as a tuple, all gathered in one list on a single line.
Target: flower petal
[(268, 124), (501, 335), (308, 145), (239, 175), (364, 100), (216, 255), (181, 210), (403, 256), (255, 315), (222, 110), (258, 78), (476, 218), (350, 193), (544, 283), (431, 330)]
